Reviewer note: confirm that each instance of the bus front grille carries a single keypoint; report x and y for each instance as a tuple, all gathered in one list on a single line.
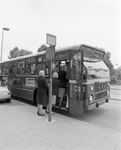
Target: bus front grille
[(100, 95)]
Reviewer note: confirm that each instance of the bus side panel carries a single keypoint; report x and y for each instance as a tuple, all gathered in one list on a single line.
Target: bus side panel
[(22, 93), (75, 107), (22, 89)]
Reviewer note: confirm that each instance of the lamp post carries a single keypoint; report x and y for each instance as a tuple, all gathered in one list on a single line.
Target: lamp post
[(116, 73), (3, 29)]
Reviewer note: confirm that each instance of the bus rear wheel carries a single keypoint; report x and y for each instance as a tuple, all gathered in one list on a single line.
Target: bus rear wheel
[(35, 98), (8, 100)]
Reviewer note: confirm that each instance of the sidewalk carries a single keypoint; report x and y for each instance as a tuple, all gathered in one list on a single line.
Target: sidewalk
[(22, 129)]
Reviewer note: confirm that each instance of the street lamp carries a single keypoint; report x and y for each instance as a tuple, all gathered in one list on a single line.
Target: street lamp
[(116, 73), (3, 29)]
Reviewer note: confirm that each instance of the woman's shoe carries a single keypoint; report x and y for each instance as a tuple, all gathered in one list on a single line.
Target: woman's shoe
[(40, 114), (52, 113), (48, 112)]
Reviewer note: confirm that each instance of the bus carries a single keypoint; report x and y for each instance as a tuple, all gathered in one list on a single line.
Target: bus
[(88, 76)]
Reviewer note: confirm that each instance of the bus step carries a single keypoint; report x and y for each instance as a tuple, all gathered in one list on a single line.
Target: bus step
[(63, 108)]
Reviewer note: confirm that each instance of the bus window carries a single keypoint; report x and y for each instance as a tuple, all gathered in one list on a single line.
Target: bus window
[(76, 66), (55, 66), (20, 67), (12, 68), (39, 65), (30, 66), (5, 68), (45, 67), (0, 68)]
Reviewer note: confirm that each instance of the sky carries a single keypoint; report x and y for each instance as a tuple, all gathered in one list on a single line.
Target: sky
[(93, 22)]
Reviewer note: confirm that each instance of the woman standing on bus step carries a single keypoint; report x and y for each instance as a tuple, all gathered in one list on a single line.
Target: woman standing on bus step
[(63, 84), (55, 87), (42, 99)]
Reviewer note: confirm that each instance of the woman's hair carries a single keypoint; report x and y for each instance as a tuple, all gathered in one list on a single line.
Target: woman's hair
[(55, 75), (41, 73)]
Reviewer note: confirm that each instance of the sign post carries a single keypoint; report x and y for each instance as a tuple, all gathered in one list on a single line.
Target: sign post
[(50, 55)]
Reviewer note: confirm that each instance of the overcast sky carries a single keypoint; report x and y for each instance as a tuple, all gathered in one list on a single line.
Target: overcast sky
[(92, 22)]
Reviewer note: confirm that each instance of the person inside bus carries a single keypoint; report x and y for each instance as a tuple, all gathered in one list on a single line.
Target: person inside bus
[(63, 83), (55, 87), (42, 88)]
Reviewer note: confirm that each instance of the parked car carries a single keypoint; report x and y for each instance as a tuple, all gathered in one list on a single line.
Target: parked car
[(5, 94)]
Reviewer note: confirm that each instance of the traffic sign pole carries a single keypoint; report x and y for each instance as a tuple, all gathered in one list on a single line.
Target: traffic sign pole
[(50, 55), (50, 93)]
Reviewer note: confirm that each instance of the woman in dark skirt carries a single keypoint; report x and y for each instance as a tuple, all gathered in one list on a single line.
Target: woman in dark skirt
[(42, 99)]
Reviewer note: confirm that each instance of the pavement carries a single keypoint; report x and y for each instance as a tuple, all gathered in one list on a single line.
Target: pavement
[(22, 129)]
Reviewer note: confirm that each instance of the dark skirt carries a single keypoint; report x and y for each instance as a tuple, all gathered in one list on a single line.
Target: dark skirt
[(42, 97)]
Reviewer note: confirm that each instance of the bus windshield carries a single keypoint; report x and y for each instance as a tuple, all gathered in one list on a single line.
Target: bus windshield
[(91, 54), (96, 70)]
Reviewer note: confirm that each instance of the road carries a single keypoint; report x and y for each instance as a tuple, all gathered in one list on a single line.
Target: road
[(115, 92), (109, 114)]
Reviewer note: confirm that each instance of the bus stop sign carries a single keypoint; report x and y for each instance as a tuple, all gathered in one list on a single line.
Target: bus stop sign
[(50, 39), (50, 53)]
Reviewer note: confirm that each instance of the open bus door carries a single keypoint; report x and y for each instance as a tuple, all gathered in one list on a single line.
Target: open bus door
[(76, 103)]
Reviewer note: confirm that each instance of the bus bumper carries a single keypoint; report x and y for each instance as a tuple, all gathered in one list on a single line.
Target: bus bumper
[(97, 104)]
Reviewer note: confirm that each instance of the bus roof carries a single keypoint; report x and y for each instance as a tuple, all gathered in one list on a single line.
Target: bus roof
[(74, 47)]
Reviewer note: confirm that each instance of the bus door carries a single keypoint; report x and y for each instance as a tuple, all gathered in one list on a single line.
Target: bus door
[(61, 64), (76, 85)]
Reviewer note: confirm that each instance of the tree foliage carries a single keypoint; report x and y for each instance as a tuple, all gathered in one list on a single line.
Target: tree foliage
[(15, 52), (43, 47), (108, 61), (119, 73), (109, 64)]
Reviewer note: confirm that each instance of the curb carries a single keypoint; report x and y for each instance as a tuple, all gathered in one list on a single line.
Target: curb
[(115, 89), (115, 99)]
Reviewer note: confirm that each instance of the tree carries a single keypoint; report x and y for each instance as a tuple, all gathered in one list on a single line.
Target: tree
[(43, 47), (108, 61), (119, 73), (23, 52), (15, 52), (109, 64)]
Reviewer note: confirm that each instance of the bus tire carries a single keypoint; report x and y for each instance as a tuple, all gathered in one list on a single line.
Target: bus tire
[(8, 100)]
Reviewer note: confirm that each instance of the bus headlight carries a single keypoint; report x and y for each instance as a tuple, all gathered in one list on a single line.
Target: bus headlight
[(91, 98), (91, 88)]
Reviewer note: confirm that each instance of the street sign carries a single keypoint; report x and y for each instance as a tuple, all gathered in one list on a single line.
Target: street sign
[(50, 53), (50, 39)]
